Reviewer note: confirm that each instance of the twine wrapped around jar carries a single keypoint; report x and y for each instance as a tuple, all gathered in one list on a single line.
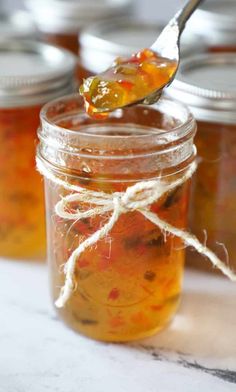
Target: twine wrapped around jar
[(138, 197)]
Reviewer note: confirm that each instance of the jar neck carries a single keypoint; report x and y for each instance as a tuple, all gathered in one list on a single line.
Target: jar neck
[(138, 143)]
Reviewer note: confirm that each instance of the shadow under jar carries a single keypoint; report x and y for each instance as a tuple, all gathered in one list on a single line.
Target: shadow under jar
[(207, 84), (126, 286), (30, 75)]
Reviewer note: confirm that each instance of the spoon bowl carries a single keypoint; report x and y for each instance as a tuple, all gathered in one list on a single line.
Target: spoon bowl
[(142, 77)]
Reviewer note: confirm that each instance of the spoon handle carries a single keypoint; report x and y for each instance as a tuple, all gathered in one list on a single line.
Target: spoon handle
[(184, 14), (167, 44)]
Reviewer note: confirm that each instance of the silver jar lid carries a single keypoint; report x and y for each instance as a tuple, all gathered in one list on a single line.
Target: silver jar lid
[(33, 73), (103, 41), (207, 84), (17, 24), (215, 21), (61, 16)]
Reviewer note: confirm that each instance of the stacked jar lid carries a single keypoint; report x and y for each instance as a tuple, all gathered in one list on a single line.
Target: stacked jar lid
[(33, 73), (61, 20), (215, 23), (206, 83), (69, 15), (16, 25)]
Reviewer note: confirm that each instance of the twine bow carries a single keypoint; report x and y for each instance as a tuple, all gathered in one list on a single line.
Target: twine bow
[(138, 197)]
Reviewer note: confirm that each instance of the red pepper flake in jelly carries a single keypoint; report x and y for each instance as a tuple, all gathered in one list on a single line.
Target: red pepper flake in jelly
[(83, 263), (114, 294), (116, 321), (126, 82), (103, 264), (139, 318), (156, 308)]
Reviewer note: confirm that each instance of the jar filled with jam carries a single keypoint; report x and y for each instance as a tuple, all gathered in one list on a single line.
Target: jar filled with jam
[(126, 282), (207, 84), (102, 42), (30, 75), (60, 21), (214, 23)]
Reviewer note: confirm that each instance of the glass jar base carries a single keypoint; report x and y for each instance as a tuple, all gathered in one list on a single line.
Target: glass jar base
[(88, 331), (119, 339)]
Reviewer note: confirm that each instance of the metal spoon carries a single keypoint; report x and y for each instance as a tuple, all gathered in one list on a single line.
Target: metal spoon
[(168, 43), (166, 46)]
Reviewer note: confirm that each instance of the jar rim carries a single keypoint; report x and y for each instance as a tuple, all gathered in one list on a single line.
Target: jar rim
[(188, 124), (161, 134)]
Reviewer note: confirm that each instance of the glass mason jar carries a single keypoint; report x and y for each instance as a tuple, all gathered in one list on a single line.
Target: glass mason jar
[(128, 284), (206, 84), (214, 23), (60, 21), (30, 74), (102, 42)]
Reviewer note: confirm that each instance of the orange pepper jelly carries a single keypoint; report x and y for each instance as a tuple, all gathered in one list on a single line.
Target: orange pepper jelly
[(128, 284), (126, 82), (28, 78)]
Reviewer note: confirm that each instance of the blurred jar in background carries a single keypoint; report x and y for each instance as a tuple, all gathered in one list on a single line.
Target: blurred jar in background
[(60, 21), (16, 25), (30, 75), (215, 23), (207, 84), (102, 42)]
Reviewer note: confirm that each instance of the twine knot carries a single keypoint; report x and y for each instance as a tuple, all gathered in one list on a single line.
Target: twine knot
[(142, 195)]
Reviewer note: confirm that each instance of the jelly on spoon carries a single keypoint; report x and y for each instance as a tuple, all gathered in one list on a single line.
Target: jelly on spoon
[(142, 77)]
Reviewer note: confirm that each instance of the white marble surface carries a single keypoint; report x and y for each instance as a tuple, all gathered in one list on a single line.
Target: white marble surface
[(39, 354)]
